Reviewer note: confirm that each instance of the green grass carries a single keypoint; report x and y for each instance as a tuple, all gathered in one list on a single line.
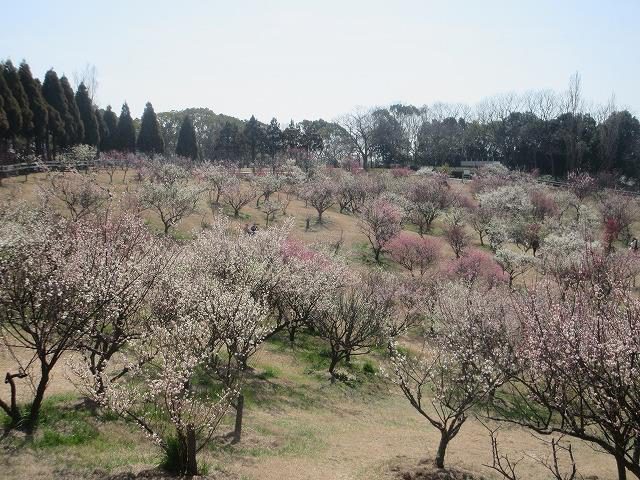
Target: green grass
[(297, 440), (269, 372)]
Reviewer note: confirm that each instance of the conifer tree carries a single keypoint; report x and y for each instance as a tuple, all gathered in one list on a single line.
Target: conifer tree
[(187, 145), (254, 137), (61, 119), (273, 140), (292, 136), (10, 107), (76, 127), (110, 140), (13, 82), (150, 139), (126, 132), (103, 130), (88, 116), (38, 106), (4, 123), (228, 145)]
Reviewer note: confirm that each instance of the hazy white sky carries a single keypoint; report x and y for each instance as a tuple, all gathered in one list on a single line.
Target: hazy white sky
[(310, 59)]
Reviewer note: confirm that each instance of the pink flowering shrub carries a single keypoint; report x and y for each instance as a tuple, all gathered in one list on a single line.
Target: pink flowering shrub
[(476, 266), (380, 222), (400, 172), (416, 254)]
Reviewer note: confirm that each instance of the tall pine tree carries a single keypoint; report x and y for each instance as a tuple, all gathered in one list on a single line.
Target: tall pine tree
[(103, 130), (228, 144), (187, 145), (4, 123), (110, 140), (150, 139), (273, 139), (60, 120), (38, 106), (13, 82), (88, 116), (292, 136), (126, 133), (11, 108), (76, 128), (254, 138)]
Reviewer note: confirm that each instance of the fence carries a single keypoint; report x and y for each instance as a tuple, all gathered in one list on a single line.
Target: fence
[(35, 167)]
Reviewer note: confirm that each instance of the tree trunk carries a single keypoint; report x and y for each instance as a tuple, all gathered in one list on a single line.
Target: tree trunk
[(622, 471), (292, 334), (34, 412), (191, 464), (332, 366), (237, 431), (442, 450)]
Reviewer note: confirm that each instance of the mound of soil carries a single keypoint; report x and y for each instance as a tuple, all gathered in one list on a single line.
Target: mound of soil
[(426, 471)]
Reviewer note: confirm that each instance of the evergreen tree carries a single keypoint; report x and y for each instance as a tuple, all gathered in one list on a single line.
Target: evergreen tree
[(4, 123), (292, 136), (88, 116), (13, 82), (38, 106), (103, 130), (61, 119), (126, 132), (10, 107), (187, 144), (273, 138), (110, 140), (254, 138), (150, 139), (76, 127), (228, 146)]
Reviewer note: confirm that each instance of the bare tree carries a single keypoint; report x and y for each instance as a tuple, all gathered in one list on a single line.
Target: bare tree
[(89, 76), (359, 126)]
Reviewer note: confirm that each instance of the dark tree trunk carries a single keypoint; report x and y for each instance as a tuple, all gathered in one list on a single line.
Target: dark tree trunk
[(442, 450), (237, 431), (292, 333), (622, 471), (34, 413), (191, 464), (332, 366)]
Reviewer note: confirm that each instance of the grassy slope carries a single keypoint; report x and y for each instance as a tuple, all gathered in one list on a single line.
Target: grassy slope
[(297, 425)]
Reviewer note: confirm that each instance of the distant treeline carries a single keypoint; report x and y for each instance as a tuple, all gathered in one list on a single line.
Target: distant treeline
[(551, 132)]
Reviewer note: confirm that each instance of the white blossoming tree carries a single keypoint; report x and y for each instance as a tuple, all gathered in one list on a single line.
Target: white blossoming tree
[(460, 364)]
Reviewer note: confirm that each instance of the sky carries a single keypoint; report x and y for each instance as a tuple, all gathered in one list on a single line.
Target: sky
[(297, 59)]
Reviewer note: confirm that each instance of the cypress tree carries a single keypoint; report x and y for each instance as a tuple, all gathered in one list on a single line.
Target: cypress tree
[(4, 123), (11, 108), (13, 82), (76, 126), (254, 137), (103, 130), (88, 116), (37, 104), (273, 138), (187, 145), (126, 132), (150, 139), (292, 136), (61, 120), (109, 141), (228, 145)]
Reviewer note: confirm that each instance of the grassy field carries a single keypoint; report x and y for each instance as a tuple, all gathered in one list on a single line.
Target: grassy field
[(297, 424)]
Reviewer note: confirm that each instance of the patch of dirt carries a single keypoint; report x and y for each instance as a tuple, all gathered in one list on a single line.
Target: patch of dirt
[(426, 471)]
